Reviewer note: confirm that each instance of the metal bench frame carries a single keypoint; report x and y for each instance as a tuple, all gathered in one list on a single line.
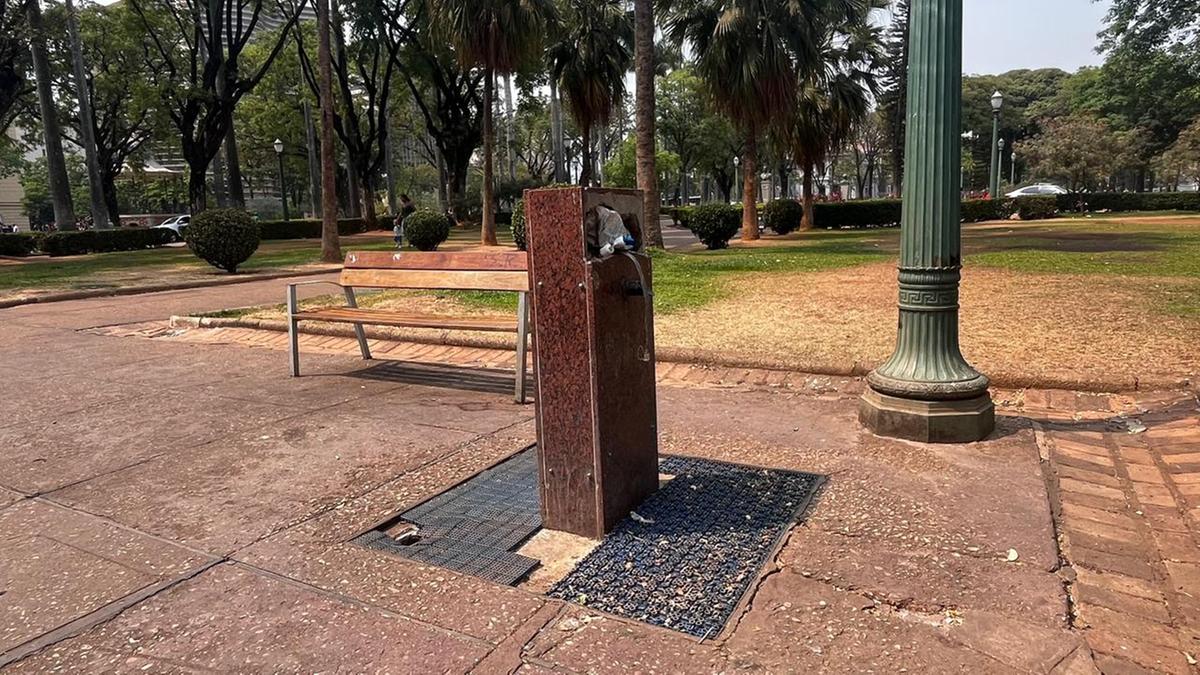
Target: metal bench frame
[(293, 308)]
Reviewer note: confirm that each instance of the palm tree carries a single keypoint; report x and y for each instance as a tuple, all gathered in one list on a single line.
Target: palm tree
[(331, 249), (748, 53), (589, 63), (499, 36), (644, 70), (832, 98)]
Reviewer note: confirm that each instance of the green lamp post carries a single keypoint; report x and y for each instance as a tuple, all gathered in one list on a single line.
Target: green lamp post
[(927, 391), (994, 181)]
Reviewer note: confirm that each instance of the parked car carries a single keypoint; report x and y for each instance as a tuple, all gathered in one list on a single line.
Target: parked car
[(177, 225), (1038, 189)]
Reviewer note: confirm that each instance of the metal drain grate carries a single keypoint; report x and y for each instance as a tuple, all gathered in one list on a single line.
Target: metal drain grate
[(706, 536), (473, 527)]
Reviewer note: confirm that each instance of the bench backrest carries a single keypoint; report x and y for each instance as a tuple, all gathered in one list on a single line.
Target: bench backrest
[(465, 271)]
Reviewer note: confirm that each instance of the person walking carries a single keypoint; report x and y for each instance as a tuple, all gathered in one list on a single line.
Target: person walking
[(406, 209)]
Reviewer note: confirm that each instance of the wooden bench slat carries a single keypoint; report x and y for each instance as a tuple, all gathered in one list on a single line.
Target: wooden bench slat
[(471, 261), (408, 320), (436, 279)]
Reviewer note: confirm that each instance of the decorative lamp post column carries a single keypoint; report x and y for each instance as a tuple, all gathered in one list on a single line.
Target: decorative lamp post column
[(994, 179), (1014, 167), (736, 162), (927, 391), (1000, 168), (282, 191)]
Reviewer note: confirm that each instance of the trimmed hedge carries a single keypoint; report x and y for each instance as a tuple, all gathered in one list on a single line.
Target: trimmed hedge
[(17, 245), (1129, 201), (782, 215), (311, 228), (426, 229), (517, 226), (1035, 207), (102, 241), (715, 224), (224, 238), (855, 214)]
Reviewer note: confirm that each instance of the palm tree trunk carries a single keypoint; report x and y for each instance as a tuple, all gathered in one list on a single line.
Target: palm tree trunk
[(806, 223), (314, 162), (585, 170), (331, 249), (750, 187), (556, 133), (647, 172), (86, 129), (488, 234), (509, 152), (56, 163)]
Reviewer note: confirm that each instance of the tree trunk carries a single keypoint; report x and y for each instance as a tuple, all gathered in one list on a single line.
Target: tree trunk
[(355, 200), (556, 133), (314, 161), (370, 218), (750, 187), (108, 185), (488, 233), (56, 163), (197, 188), (509, 155), (219, 175), (87, 133), (806, 223), (233, 168), (331, 249), (585, 169), (443, 178), (390, 160), (647, 171)]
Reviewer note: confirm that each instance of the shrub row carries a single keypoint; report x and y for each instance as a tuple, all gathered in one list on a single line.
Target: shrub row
[(17, 245), (311, 228), (1129, 201), (101, 241)]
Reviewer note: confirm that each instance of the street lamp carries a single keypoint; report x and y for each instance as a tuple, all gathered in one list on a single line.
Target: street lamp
[(1000, 165), (1014, 167), (926, 391), (282, 191), (736, 162), (994, 182)]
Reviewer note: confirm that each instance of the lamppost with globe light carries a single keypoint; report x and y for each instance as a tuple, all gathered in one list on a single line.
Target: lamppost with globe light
[(1000, 166), (1014, 167), (969, 137), (737, 161), (282, 192), (994, 182)]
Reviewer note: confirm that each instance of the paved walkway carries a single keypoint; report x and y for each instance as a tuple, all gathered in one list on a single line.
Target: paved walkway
[(171, 501)]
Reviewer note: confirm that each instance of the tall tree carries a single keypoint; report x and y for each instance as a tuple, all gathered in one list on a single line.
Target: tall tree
[(893, 101), (1080, 151), (644, 68), (681, 116), (331, 248), (87, 134), (364, 69), (13, 61), (747, 52), (590, 63), (1153, 25), (499, 36), (834, 97), (201, 48), (60, 186)]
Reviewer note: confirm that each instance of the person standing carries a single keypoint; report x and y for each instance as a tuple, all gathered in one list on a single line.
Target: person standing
[(406, 209)]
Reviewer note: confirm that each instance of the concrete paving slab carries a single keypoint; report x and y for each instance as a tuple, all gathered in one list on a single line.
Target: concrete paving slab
[(446, 408), (233, 619), (59, 564), (60, 451), (9, 497), (230, 493)]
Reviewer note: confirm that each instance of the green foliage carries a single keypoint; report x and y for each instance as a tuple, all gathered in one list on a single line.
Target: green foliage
[(621, 170), (1033, 207), (1129, 201), (102, 241), (35, 182), (311, 228), (1080, 151), (715, 224), (17, 245), (979, 210), (856, 214), (426, 229), (782, 215), (224, 238), (518, 224)]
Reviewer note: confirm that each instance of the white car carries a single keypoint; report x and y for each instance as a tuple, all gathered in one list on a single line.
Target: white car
[(1038, 189), (176, 224)]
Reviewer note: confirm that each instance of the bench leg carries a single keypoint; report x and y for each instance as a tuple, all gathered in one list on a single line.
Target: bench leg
[(522, 342), (351, 301), (293, 338)]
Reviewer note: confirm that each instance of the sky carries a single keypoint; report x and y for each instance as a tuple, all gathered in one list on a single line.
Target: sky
[(1003, 35)]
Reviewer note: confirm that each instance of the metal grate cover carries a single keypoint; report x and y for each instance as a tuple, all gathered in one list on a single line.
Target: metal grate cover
[(705, 538)]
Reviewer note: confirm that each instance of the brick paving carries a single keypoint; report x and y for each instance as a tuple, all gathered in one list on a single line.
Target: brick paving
[(171, 501)]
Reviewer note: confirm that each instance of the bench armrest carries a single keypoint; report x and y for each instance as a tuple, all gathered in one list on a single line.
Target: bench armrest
[(314, 283)]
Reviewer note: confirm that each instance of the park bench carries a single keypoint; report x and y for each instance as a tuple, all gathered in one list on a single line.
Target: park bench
[(467, 271)]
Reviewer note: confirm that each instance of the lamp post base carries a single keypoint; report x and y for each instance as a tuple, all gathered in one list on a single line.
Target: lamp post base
[(961, 421)]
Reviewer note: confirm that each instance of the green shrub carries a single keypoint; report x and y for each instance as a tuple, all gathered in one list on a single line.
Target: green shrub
[(17, 245), (426, 229), (224, 238), (518, 224), (979, 210), (103, 241), (683, 216), (715, 224), (311, 229), (1035, 207), (782, 215), (1129, 201)]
